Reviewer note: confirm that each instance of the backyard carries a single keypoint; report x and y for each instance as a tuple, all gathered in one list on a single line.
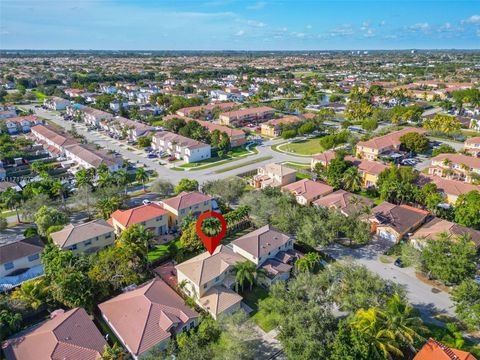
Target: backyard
[(253, 298)]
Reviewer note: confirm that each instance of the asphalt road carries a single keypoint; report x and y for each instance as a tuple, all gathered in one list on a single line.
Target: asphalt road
[(164, 172), (424, 297)]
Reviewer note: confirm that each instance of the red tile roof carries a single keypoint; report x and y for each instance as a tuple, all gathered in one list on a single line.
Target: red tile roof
[(148, 315), (186, 199), (71, 335), (434, 350), (392, 139), (138, 214)]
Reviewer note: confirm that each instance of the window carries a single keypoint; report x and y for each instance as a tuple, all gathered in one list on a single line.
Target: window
[(191, 325), (159, 218), (182, 211), (88, 242), (33, 257), (108, 236), (73, 247), (195, 207), (96, 238), (205, 286), (8, 266), (217, 278)]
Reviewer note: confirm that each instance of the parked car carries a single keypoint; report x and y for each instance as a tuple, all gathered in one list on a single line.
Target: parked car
[(398, 262), (152, 155), (146, 202), (172, 158)]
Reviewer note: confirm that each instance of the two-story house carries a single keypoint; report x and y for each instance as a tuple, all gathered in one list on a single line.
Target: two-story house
[(274, 175), (185, 203), (181, 147), (20, 261), (472, 146), (456, 166), (151, 216), (147, 317), (306, 191), (56, 103), (240, 117), (86, 238)]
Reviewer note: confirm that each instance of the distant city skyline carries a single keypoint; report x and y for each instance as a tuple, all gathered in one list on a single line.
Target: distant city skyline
[(239, 25)]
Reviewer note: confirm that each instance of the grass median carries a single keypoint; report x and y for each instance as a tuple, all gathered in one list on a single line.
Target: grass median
[(242, 164)]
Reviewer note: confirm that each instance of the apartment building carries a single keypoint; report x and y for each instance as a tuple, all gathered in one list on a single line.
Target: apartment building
[(240, 117), (273, 128), (21, 124), (205, 110), (88, 115), (54, 139), (383, 145), (456, 167), (88, 156), (85, 238), (181, 147), (448, 188)]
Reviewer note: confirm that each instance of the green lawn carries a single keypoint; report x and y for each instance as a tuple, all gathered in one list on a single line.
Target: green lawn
[(200, 163), (7, 214), (253, 299), (245, 163), (304, 147), (162, 250), (40, 95), (299, 166)]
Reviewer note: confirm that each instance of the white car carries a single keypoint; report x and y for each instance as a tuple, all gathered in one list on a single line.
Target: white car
[(146, 202)]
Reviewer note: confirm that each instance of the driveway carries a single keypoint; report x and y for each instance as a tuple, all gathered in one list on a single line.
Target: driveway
[(164, 172), (425, 298)]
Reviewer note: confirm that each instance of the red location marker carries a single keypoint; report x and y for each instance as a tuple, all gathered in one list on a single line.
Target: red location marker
[(211, 242)]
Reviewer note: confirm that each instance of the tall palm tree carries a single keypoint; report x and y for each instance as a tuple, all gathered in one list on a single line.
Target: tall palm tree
[(382, 342), (107, 206), (104, 178), (352, 181), (61, 190), (141, 176), (12, 200), (245, 272), (401, 319), (122, 179)]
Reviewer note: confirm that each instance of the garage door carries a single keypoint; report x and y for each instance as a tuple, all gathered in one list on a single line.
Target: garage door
[(387, 236)]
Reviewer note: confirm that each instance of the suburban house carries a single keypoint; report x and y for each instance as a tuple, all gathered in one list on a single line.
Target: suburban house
[(450, 189), (73, 92), (66, 335), (472, 146), (54, 139), (152, 216), (181, 147), (88, 156), (382, 145), (21, 124), (432, 229), (237, 137), (456, 166), (306, 191), (274, 175), (345, 202), (147, 317), (209, 279), (185, 203), (123, 127), (434, 350), (323, 158), (270, 250), (88, 114), (20, 261), (205, 110), (393, 222), (368, 170), (56, 103), (240, 117), (86, 238), (273, 128)]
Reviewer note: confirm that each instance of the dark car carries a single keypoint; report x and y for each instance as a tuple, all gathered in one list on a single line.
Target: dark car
[(398, 262)]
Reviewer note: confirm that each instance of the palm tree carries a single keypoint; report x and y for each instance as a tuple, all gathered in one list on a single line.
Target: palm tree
[(122, 179), (12, 200), (104, 178), (245, 272), (61, 190), (115, 352), (141, 176), (32, 293), (308, 262), (352, 181), (401, 319), (107, 206), (372, 324)]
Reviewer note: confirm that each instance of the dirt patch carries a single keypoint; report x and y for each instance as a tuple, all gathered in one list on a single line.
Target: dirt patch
[(437, 285)]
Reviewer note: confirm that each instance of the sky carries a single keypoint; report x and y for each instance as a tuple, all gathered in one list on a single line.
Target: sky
[(239, 24)]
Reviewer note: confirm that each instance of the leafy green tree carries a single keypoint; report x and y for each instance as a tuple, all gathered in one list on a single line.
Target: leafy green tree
[(351, 179), (397, 184), (163, 188), (46, 217), (229, 189), (443, 149), (137, 239), (186, 185), (415, 142), (309, 262), (370, 124), (32, 293), (144, 141), (10, 321), (115, 352), (245, 272), (467, 210), (190, 239), (449, 260), (106, 206), (3, 224), (12, 199), (350, 344), (466, 297), (335, 171), (85, 177), (443, 123)]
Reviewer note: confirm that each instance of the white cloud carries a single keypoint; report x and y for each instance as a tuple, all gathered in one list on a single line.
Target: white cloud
[(419, 27), (240, 33), (342, 30), (474, 19), (255, 23), (257, 6)]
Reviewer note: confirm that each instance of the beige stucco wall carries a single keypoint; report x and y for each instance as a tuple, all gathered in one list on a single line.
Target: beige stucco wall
[(21, 263)]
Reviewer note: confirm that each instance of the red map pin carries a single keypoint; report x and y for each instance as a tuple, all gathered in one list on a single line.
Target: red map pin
[(211, 242)]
